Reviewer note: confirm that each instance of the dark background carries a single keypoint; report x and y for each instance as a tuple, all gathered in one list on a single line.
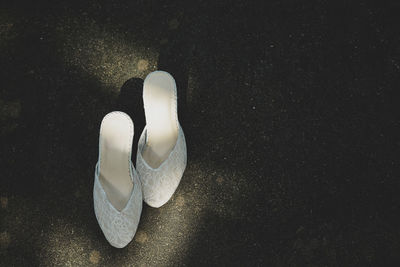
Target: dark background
[(290, 115)]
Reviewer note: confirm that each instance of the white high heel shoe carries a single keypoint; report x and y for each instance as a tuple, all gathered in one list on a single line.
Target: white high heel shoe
[(161, 157), (117, 192)]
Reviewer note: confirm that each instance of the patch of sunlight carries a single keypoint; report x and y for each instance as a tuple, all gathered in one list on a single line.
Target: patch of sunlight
[(6, 28), (165, 239), (104, 53), (67, 246)]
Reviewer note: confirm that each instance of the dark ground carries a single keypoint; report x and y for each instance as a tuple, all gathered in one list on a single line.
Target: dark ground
[(289, 111)]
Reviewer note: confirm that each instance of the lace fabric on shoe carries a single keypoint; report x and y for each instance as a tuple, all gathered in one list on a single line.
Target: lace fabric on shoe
[(118, 227), (159, 184)]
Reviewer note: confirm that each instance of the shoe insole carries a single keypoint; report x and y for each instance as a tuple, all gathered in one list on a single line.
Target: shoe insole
[(159, 99), (116, 134)]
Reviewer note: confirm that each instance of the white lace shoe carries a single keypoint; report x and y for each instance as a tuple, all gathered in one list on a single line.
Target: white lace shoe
[(161, 157), (117, 192)]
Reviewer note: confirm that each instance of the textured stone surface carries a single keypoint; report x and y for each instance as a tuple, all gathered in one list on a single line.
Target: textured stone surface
[(290, 115)]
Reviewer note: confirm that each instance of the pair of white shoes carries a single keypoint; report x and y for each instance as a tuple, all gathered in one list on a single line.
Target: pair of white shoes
[(119, 189)]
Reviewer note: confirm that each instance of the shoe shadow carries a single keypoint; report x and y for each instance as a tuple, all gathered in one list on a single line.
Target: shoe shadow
[(130, 101), (173, 58)]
